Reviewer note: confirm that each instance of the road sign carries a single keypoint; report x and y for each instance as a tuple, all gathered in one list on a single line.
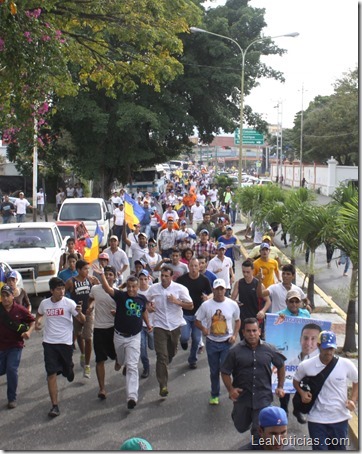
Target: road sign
[(250, 137)]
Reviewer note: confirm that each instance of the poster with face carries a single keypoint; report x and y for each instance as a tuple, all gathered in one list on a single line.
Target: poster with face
[(296, 338)]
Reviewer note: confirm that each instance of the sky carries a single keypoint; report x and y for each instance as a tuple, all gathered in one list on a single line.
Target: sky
[(327, 47)]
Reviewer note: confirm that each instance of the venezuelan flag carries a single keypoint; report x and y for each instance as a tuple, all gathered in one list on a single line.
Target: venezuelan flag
[(91, 254), (133, 212)]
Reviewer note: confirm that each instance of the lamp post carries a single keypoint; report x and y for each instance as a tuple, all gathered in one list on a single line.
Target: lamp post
[(301, 142), (243, 54)]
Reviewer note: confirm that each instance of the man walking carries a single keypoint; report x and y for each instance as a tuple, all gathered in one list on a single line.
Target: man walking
[(222, 266), (7, 210), (117, 257), (215, 318), (168, 299), (250, 388), (16, 325), (328, 418), (21, 204), (58, 337), (200, 289)]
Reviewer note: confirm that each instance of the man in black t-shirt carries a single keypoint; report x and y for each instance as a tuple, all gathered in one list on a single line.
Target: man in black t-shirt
[(199, 288), (7, 210), (129, 314)]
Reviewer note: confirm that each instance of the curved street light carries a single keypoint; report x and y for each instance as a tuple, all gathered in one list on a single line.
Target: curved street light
[(243, 54)]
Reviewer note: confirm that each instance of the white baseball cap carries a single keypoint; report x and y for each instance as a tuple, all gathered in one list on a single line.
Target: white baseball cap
[(219, 283)]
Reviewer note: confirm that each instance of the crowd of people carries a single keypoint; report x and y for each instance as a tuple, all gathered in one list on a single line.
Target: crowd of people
[(180, 291)]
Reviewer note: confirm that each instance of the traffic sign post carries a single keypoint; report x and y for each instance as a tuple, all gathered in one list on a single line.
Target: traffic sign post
[(250, 137)]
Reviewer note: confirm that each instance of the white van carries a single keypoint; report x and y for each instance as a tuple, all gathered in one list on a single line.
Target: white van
[(90, 210), (150, 179)]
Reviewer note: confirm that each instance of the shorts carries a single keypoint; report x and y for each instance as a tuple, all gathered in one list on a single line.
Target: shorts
[(58, 359), (85, 330), (103, 344)]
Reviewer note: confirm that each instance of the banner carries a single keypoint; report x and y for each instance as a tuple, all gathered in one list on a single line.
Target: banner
[(296, 338)]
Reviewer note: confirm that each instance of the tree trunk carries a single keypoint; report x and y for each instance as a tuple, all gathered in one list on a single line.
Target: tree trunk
[(292, 260), (350, 339), (310, 291)]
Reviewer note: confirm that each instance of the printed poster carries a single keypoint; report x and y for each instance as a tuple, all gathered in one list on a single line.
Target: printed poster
[(296, 338)]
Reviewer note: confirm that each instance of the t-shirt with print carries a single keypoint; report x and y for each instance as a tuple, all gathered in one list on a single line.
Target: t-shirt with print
[(269, 268), (58, 325), (129, 310), (178, 270), (218, 317)]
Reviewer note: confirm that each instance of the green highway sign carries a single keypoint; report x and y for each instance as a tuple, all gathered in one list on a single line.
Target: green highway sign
[(250, 137)]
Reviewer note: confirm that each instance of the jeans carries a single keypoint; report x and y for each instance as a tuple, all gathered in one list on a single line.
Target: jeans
[(233, 216), (146, 341), (166, 343), (7, 219), (216, 354), (128, 353), (324, 433), (190, 330), (9, 365), (20, 218), (146, 229)]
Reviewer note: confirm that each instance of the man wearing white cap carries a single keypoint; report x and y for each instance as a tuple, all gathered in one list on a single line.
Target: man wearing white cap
[(215, 318), (21, 204), (197, 214), (222, 266), (329, 415), (117, 257)]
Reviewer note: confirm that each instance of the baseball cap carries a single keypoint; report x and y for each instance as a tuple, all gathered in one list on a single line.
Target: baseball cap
[(273, 416), (221, 219), (221, 246), (183, 222), (145, 273), (266, 237), (293, 294), (228, 227), (143, 234), (103, 255), (204, 231), (136, 444), (7, 289), (264, 246), (12, 274), (219, 283), (137, 225), (327, 339), (170, 218), (121, 203), (113, 237)]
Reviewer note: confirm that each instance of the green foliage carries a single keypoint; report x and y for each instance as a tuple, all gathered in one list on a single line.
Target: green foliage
[(331, 124), (222, 182)]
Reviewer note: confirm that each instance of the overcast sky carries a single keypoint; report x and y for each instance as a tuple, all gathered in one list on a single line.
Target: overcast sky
[(326, 48)]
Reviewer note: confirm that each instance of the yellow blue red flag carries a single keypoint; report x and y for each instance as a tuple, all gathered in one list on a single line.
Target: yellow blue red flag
[(133, 212)]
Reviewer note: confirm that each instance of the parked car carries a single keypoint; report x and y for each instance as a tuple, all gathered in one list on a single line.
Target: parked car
[(91, 211), (33, 249), (264, 181), (76, 230)]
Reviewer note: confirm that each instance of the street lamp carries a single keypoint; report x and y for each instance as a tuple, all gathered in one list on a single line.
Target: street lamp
[(301, 143), (243, 54)]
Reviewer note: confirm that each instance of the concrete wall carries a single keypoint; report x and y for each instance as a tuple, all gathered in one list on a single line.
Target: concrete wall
[(322, 178)]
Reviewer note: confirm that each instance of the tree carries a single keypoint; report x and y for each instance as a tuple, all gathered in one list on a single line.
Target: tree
[(331, 124)]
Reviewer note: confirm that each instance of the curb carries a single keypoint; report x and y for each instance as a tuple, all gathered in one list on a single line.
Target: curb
[(352, 423)]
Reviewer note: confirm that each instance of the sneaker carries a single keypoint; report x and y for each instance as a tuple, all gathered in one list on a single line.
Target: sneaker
[(164, 392), (87, 371), (184, 345), (145, 373), (12, 404), (117, 366), (70, 376), (200, 350), (82, 360), (54, 411), (214, 401), (131, 404), (193, 366)]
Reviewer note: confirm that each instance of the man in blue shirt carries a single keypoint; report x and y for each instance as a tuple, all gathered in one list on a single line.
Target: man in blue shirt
[(294, 304), (69, 272)]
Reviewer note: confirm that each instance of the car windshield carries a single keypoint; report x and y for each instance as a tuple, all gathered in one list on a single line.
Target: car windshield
[(26, 238), (80, 212), (66, 230)]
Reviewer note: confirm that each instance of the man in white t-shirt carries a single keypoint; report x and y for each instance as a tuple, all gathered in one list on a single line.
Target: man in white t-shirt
[(138, 249), (329, 415), (213, 195), (115, 198), (118, 216), (219, 320), (21, 204), (103, 332), (222, 266), (117, 258), (40, 200), (58, 312), (197, 214)]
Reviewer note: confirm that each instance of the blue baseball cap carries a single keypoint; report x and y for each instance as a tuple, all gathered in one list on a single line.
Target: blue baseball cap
[(145, 273), (272, 416), (264, 246), (221, 246), (327, 339), (11, 274)]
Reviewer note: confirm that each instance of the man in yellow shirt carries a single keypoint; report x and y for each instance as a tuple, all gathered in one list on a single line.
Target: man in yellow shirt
[(266, 268)]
